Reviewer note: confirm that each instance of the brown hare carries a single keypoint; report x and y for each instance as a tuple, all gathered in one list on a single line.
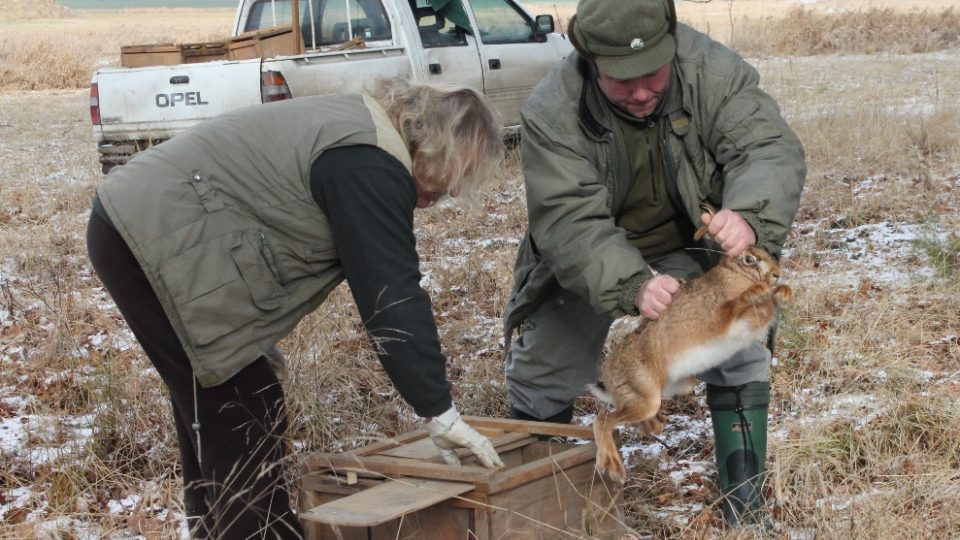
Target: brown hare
[(711, 317)]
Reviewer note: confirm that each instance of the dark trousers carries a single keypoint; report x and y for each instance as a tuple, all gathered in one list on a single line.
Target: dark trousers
[(232, 475)]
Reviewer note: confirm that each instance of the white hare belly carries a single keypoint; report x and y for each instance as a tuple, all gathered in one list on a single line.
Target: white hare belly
[(699, 358)]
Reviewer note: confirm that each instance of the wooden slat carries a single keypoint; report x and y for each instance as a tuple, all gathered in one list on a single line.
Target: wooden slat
[(295, 26), (393, 467), (422, 449), (542, 467), (150, 55), (425, 449), (335, 484), (157, 47), (310, 464), (385, 502), (518, 440), (527, 426), (393, 442)]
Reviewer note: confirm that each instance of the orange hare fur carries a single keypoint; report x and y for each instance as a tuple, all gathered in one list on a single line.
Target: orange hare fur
[(710, 318)]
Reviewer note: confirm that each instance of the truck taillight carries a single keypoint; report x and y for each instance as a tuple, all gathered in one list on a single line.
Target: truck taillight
[(273, 87), (95, 104)]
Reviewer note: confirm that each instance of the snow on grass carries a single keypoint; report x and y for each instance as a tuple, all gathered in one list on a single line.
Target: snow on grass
[(883, 252)]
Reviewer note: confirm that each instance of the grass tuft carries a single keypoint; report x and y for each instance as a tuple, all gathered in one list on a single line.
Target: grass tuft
[(943, 251)]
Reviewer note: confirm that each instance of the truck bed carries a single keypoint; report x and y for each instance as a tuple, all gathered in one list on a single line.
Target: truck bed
[(263, 43)]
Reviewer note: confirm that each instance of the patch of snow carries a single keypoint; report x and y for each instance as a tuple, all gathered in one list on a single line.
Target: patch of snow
[(17, 497), (802, 534), (124, 505), (688, 468), (883, 252), (679, 514)]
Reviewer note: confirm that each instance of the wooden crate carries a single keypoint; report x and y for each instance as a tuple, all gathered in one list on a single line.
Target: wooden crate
[(161, 54), (400, 488), (195, 53), (264, 43)]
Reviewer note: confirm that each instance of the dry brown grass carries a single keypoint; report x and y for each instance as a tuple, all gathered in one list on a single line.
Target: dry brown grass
[(42, 54), (766, 28), (806, 32), (865, 431), (16, 10)]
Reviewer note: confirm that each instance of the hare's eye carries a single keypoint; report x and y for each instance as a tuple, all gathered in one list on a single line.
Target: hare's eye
[(750, 260)]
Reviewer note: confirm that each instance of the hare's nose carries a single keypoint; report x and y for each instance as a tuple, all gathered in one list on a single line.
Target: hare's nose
[(773, 277)]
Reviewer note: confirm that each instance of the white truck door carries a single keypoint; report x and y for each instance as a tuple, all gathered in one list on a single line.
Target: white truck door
[(448, 43), (513, 57)]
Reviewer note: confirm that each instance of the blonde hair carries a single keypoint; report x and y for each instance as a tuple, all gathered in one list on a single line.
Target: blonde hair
[(452, 132)]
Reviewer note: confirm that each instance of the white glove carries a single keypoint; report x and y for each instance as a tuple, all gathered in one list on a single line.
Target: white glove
[(449, 431)]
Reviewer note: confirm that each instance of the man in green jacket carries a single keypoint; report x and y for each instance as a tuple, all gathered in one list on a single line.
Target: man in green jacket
[(621, 144)]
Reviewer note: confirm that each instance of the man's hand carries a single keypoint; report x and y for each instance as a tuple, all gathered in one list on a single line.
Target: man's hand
[(730, 231), (449, 431), (655, 295)]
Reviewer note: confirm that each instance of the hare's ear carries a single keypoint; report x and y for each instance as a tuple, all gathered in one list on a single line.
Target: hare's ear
[(702, 231)]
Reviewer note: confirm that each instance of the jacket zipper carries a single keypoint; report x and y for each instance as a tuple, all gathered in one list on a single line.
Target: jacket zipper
[(614, 149), (668, 164), (652, 165), (270, 259)]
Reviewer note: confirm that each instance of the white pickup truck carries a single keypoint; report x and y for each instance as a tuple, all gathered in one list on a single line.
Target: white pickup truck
[(338, 46)]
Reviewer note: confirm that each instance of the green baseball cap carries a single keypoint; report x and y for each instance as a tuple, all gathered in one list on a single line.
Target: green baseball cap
[(628, 38)]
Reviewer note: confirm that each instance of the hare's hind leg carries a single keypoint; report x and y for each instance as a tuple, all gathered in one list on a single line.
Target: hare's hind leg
[(608, 456)]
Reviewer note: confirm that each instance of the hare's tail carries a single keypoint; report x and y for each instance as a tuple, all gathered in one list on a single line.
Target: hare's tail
[(600, 392)]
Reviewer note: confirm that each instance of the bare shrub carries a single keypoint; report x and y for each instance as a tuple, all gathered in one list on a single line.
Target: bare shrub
[(806, 32)]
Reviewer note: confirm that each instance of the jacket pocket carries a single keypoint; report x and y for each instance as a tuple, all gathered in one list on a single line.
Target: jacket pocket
[(222, 285), (259, 270), (532, 277), (748, 124)]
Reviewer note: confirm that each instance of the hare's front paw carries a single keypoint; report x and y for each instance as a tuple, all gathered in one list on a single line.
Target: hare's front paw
[(757, 293), (782, 295)]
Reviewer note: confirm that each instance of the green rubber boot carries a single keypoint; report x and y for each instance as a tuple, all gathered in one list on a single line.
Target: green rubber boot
[(739, 415)]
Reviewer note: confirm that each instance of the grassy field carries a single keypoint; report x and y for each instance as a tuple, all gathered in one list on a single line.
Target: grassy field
[(865, 428)]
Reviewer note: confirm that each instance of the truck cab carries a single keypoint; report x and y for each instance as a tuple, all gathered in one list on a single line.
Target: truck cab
[(337, 46), (494, 45)]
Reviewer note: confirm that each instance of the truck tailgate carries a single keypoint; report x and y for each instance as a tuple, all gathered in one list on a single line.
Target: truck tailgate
[(158, 101)]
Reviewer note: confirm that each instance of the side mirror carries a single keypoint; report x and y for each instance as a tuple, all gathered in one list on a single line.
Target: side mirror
[(543, 25)]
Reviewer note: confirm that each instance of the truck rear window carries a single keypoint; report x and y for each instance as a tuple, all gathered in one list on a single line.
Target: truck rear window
[(325, 22)]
